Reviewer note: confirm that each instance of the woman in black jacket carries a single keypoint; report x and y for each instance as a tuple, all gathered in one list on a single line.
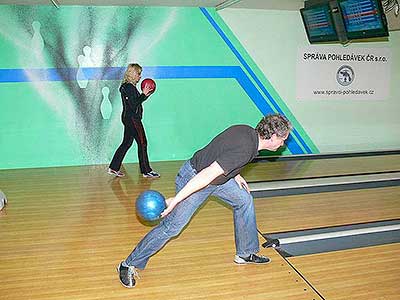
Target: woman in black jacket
[(132, 119)]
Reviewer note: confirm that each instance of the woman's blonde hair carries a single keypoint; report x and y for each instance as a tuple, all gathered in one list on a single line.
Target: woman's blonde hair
[(128, 77)]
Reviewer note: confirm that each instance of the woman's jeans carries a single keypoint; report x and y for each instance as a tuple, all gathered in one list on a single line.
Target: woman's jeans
[(246, 239)]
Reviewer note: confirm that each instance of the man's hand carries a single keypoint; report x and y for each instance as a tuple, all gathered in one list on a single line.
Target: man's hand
[(242, 183), (170, 206)]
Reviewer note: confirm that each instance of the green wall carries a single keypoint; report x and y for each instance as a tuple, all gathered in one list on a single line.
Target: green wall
[(51, 97), (59, 122)]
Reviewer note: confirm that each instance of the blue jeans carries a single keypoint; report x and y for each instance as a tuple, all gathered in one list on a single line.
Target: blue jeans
[(246, 239)]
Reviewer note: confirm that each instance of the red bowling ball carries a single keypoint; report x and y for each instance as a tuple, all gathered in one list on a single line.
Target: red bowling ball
[(149, 83)]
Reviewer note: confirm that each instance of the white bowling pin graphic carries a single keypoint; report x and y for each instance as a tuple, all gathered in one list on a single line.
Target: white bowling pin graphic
[(80, 76), (84, 61), (105, 106), (87, 62), (37, 42)]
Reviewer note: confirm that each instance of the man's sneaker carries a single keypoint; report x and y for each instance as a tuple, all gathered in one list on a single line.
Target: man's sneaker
[(3, 203), (3, 200), (251, 259), (127, 275), (115, 173), (151, 174)]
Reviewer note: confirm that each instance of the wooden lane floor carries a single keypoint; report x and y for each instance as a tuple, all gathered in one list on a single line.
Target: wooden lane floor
[(260, 171), (353, 274), (281, 170), (65, 230), (357, 274), (297, 212)]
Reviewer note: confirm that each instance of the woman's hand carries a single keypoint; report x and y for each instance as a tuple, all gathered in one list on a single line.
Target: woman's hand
[(147, 91)]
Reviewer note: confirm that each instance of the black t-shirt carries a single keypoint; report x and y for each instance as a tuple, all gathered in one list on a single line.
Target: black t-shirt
[(232, 149)]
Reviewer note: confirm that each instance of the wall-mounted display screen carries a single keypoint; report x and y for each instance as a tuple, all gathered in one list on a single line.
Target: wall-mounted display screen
[(319, 24), (363, 18)]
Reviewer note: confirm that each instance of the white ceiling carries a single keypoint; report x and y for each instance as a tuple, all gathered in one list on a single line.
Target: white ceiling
[(250, 4)]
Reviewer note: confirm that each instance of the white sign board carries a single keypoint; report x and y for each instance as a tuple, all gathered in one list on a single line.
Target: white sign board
[(343, 73)]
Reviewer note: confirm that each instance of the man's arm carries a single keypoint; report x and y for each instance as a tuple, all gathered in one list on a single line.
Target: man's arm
[(202, 179)]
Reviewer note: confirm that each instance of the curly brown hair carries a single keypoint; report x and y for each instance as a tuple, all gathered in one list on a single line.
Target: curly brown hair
[(273, 124)]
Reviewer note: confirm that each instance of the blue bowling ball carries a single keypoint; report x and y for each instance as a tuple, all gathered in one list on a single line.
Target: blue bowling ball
[(150, 204)]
